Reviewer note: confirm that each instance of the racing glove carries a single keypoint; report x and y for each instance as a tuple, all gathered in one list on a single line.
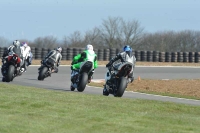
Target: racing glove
[(109, 64)]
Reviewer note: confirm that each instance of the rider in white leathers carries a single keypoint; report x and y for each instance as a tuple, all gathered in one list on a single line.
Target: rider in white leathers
[(27, 55)]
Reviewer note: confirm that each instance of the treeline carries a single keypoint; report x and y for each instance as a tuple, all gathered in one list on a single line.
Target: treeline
[(115, 32)]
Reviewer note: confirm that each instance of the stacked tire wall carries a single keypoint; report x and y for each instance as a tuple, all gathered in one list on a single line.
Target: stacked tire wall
[(107, 54)]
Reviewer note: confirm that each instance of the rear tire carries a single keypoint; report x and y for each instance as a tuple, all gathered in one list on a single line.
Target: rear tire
[(82, 82), (42, 73), (121, 87), (10, 74)]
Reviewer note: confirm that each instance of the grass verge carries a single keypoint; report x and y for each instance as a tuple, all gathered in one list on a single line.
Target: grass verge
[(184, 88), (33, 110)]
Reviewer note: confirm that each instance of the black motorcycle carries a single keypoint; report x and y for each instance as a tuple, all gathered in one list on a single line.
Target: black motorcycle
[(46, 69), (117, 79), (80, 80)]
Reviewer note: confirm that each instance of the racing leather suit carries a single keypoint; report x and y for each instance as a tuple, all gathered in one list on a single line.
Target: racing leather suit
[(55, 57), (27, 56), (124, 57), (84, 56)]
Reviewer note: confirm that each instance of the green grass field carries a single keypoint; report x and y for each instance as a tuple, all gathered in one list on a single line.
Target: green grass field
[(34, 110)]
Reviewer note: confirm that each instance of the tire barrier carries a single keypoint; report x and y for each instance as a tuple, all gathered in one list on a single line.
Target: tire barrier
[(185, 56), (161, 56), (82, 49), (149, 56), (174, 57), (107, 54), (155, 56), (113, 52), (33, 52), (191, 57), (167, 56), (180, 57), (137, 55), (197, 57), (44, 52), (38, 53), (96, 52), (69, 53), (64, 54), (100, 54), (143, 55), (75, 52)]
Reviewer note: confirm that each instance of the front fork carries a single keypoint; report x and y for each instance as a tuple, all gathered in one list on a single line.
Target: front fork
[(111, 85)]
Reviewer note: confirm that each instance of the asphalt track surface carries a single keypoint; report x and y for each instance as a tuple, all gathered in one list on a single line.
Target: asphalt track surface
[(61, 81)]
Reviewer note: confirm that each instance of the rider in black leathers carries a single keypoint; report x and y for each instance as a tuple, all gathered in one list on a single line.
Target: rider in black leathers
[(125, 56), (55, 57)]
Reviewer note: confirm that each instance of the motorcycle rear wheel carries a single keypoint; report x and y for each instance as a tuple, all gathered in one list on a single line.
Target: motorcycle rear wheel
[(121, 87), (42, 72), (82, 82)]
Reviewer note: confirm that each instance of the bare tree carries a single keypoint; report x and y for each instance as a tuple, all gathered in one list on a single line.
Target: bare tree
[(4, 42), (110, 30), (130, 33), (186, 40), (94, 37), (117, 32), (75, 39), (189, 40), (65, 42), (45, 42)]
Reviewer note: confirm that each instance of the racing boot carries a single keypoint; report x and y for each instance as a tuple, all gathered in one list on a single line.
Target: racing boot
[(105, 90)]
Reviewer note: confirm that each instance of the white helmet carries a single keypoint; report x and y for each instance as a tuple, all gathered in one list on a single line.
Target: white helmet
[(16, 43), (89, 47)]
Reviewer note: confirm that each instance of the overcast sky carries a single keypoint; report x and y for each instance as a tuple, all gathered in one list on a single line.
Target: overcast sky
[(30, 19)]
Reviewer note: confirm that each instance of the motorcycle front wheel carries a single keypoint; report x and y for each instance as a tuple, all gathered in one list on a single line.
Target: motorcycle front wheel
[(10, 74)]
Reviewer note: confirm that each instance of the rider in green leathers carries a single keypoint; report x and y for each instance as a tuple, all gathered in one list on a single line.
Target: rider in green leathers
[(87, 54)]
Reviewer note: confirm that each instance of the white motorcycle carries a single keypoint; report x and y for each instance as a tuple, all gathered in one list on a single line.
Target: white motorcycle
[(116, 79), (81, 76)]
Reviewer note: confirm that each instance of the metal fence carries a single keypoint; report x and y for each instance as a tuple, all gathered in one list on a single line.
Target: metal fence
[(107, 54)]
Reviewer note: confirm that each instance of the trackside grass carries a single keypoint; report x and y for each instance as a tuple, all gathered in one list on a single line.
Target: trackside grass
[(184, 88), (34, 110)]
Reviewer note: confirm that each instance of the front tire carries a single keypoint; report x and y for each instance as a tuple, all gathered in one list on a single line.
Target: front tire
[(121, 87), (42, 73), (82, 82), (10, 74), (105, 91), (72, 88)]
